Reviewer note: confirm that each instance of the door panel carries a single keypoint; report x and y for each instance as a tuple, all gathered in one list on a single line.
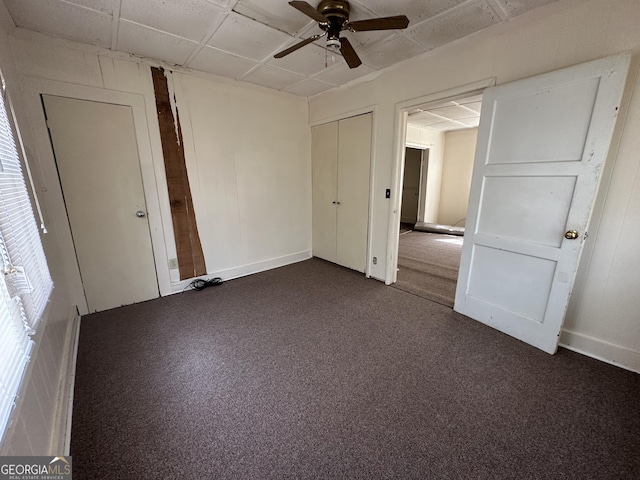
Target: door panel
[(542, 143), (354, 165), (524, 295), (97, 159), (564, 109), (541, 214), (324, 152)]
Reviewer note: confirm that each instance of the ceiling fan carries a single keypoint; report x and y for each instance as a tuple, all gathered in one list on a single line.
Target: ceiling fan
[(333, 17)]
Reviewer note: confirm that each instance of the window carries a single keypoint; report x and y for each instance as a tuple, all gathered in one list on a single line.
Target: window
[(25, 283)]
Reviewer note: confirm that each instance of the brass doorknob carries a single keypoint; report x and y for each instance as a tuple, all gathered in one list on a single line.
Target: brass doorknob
[(571, 234)]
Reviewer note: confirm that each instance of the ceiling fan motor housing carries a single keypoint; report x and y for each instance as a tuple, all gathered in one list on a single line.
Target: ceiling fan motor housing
[(335, 10)]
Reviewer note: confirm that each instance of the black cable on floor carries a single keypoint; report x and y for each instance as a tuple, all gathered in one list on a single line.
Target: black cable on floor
[(200, 283)]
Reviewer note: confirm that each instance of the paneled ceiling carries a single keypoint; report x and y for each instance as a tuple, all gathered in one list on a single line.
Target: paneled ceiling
[(238, 38), (448, 115)]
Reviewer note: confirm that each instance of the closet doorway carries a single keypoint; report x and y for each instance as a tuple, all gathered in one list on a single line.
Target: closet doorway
[(341, 167)]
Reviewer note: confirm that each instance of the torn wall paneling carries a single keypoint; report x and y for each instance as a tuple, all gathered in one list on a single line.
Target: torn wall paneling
[(188, 247)]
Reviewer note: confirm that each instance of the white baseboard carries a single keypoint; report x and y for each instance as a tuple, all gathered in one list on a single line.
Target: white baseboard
[(60, 443), (241, 271), (600, 350)]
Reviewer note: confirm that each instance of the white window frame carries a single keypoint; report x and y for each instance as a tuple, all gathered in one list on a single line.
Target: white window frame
[(25, 281)]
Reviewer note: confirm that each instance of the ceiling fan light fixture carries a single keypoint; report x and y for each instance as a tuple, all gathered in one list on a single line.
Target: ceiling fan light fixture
[(333, 43)]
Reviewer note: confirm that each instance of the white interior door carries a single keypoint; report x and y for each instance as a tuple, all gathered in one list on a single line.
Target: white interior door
[(324, 152), (354, 166), (542, 143), (97, 158)]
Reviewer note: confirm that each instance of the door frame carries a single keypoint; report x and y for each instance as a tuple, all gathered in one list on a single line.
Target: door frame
[(421, 181), (372, 176), (397, 166), (67, 263)]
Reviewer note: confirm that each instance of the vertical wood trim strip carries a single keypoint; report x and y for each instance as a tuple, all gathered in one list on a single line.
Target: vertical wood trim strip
[(189, 249)]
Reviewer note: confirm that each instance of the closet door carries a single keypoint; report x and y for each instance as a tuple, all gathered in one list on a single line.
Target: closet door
[(324, 154), (354, 166)]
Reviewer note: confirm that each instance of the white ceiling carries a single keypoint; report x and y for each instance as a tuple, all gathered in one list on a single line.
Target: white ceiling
[(448, 115), (238, 38)]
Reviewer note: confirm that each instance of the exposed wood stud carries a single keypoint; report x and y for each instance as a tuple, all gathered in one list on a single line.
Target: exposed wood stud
[(191, 261)]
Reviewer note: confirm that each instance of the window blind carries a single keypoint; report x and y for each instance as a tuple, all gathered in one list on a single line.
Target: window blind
[(25, 283)]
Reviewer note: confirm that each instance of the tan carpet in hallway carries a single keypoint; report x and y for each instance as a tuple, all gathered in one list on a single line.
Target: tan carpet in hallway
[(428, 265)]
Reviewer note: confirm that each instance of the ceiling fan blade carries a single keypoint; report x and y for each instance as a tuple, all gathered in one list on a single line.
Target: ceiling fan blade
[(309, 11), (298, 45), (349, 54), (398, 22)]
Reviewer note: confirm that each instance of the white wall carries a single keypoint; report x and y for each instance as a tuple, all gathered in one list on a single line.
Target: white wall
[(603, 316), (247, 151), (37, 426), (248, 157), (459, 150)]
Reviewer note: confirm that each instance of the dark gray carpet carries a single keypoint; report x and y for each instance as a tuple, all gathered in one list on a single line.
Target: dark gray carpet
[(311, 371), (428, 265)]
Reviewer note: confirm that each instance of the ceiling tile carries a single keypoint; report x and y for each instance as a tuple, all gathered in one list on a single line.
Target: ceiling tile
[(462, 21), (449, 115), (367, 38), (147, 42), (272, 77), (279, 15), (518, 7), (388, 53), (341, 73), (104, 6), (452, 126), (189, 19), (215, 61), (425, 118), (308, 88), (475, 106), (220, 3), (453, 112), (308, 60), (62, 19), (445, 126), (472, 122), (171, 30), (446, 103), (416, 10), (245, 37)]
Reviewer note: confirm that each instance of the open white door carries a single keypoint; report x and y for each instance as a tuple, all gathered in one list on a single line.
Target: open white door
[(542, 143)]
